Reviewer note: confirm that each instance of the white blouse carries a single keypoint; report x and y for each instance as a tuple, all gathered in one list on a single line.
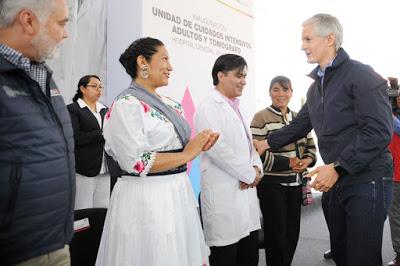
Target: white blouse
[(134, 132)]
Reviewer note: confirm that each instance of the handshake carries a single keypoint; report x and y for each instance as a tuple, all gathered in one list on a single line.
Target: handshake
[(299, 165), (296, 164)]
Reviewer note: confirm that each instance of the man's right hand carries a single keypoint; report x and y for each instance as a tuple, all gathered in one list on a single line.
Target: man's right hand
[(301, 165), (294, 162)]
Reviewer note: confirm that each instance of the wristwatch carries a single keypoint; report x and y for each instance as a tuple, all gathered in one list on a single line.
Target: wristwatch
[(339, 169)]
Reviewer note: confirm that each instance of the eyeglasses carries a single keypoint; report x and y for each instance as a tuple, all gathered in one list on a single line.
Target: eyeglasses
[(99, 87)]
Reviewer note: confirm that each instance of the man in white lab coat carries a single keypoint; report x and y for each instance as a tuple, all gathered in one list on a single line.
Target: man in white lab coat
[(229, 171)]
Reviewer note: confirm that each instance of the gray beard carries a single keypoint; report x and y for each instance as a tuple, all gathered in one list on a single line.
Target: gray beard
[(45, 47)]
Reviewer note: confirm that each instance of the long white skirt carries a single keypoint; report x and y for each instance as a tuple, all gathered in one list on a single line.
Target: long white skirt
[(153, 221)]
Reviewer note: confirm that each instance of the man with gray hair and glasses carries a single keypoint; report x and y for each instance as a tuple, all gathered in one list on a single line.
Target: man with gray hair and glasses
[(37, 166), (348, 107)]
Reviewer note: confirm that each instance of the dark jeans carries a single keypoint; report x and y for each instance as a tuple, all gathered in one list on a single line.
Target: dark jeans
[(356, 217), (325, 206), (281, 209), (242, 253), (394, 218)]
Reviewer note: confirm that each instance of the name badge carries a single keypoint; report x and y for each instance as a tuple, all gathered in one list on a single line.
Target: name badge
[(55, 92), (81, 225)]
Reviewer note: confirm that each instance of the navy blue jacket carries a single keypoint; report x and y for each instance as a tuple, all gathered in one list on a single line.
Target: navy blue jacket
[(37, 167), (351, 116)]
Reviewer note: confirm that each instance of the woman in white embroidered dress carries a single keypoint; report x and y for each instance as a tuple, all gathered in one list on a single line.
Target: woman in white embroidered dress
[(152, 219)]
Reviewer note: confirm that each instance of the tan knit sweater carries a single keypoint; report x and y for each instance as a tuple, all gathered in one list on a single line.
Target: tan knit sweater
[(276, 162)]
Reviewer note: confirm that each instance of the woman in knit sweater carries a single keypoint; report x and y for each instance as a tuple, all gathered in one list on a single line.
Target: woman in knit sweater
[(280, 190)]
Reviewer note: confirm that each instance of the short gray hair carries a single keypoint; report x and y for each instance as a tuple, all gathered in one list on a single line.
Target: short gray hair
[(9, 9), (324, 24)]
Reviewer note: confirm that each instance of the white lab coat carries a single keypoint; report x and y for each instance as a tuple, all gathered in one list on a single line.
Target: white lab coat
[(229, 214)]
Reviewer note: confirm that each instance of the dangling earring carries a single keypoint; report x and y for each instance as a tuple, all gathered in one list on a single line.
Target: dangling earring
[(144, 72)]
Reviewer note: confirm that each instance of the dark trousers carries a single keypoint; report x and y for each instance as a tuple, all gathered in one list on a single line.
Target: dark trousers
[(242, 253), (325, 206), (281, 209), (394, 218), (356, 218)]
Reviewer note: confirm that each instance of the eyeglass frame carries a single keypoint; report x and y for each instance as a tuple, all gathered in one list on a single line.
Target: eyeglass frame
[(98, 87)]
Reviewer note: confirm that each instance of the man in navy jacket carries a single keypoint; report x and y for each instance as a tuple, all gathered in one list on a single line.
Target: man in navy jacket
[(348, 107), (37, 166)]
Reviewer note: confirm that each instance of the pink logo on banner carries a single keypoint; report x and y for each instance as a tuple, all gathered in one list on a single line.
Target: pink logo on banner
[(188, 109)]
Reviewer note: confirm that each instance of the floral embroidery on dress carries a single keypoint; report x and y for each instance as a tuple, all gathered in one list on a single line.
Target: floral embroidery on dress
[(153, 112), (144, 161), (126, 97), (108, 114), (157, 114), (175, 105), (139, 166), (178, 108), (146, 107)]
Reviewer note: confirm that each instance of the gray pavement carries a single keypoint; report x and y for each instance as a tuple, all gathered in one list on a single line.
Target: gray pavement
[(314, 239)]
